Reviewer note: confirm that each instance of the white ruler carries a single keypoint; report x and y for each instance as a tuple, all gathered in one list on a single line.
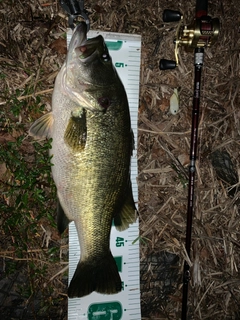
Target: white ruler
[(125, 51)]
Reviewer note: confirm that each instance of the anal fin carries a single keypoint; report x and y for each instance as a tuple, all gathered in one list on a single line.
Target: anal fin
[(127, 214)]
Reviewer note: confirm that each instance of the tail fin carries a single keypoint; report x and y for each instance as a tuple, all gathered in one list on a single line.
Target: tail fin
[(95, 275)]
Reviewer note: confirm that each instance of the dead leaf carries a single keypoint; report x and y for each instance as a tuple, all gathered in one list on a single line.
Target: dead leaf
[(164, 106), (59, 45), (184, 159), (3, 169)]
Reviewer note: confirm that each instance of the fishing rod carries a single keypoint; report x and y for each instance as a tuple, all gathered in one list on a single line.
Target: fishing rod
[(203, 32)]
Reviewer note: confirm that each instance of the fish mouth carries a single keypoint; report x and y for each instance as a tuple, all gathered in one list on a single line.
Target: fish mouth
[(79, 37), (85, 49)]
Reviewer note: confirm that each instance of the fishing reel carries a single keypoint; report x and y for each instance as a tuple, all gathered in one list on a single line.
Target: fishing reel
[(203, 32)]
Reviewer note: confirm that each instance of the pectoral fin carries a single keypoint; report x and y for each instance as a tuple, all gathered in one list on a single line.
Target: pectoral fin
[(42, 127), (76, 133), (127, 214), (62, 219)]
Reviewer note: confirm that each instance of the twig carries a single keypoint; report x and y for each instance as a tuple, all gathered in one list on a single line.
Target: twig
[(30, 95)]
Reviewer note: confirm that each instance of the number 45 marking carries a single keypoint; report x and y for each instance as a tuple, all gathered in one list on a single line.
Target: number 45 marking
[(119, 242)]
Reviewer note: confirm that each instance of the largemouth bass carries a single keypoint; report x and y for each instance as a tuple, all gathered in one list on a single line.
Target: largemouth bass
[(92, 143)]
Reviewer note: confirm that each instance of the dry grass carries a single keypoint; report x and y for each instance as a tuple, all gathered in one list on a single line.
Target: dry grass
[(32, 50)]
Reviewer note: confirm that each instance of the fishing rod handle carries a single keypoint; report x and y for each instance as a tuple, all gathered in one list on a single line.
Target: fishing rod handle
[(201, 8)]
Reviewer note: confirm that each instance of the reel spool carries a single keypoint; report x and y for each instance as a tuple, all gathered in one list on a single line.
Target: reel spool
[(203, 32)]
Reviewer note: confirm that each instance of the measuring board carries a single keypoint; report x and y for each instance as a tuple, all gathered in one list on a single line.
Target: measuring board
[(125, 51)]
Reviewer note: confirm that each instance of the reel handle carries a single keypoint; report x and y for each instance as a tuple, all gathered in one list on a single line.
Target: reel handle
[(171, 15), (165, 64)]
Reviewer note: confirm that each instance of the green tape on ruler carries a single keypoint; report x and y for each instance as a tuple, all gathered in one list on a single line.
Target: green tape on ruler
[(125, 51), (114, 45)]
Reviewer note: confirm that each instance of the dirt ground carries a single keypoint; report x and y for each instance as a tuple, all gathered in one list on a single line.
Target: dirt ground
[(33, 257)]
